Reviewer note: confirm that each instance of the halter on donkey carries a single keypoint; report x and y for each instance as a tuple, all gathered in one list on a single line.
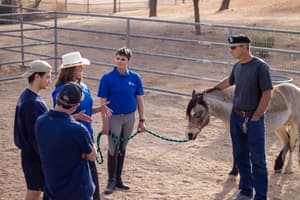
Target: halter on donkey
[(282, 117)]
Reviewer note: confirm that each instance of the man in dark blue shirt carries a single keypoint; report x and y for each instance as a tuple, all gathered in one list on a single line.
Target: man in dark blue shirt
[(29, 106), (253, 90), (65, 147)]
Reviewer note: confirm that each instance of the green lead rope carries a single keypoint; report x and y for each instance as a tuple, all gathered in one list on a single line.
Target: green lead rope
[(99, 159), (165, 138), (117, 141)]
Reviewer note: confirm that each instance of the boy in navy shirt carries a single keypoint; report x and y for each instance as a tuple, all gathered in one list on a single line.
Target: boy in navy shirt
[(65, 147), (29, 106)]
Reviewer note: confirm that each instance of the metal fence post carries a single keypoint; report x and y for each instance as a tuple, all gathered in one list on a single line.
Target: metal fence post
[(22, 32), (55, 43), (229, 57), (66, 4), (88, 6), (128, 32)]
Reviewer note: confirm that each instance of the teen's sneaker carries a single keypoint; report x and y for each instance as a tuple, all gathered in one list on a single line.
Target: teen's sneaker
[(242, 197)]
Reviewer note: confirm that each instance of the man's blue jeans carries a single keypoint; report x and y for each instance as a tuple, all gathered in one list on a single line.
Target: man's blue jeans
[(249, 154)]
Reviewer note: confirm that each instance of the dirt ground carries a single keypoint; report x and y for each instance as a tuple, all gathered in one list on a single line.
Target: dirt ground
[(159, 169)]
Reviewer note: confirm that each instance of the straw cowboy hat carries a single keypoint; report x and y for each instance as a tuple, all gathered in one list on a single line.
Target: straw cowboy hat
[(37, 66), (73, 59)]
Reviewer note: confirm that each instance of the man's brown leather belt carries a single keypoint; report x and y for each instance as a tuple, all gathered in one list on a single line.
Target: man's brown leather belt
[(242, 113)]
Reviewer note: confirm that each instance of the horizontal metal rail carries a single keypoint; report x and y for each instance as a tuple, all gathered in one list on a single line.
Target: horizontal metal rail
[(56, 42)]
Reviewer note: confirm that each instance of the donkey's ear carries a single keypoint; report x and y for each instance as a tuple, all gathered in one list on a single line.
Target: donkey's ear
[(200, 99), (193, 93)]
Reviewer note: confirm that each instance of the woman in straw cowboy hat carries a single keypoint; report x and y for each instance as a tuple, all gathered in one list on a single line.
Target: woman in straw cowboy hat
[(71, 70)]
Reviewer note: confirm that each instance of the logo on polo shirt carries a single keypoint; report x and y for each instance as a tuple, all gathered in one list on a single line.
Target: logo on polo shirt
[(131, 83)]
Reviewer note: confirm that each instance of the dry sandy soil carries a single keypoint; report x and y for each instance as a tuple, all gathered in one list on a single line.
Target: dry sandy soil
[(155, 168)]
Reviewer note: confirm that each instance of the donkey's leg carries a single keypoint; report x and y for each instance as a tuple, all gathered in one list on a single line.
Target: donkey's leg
[(283, 137), (280, 159), (291, 132), (289, 165), (298, 138)]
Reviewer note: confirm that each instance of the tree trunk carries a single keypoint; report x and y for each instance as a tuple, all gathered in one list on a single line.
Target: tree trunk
[(197, 16), (152, 8), (37, 3), (224, 5), (115, 6)]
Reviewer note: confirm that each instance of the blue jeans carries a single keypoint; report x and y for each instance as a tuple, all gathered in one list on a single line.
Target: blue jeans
[(249, 155)]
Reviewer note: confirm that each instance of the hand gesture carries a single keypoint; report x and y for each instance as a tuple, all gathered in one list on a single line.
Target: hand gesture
[(82, 116), (104, 109)]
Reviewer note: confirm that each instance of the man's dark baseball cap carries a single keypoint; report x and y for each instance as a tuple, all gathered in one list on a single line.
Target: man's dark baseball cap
[(238, 39), (70, 94)]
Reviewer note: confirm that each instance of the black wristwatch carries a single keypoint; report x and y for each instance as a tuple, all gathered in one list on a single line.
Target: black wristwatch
[(142, 120)]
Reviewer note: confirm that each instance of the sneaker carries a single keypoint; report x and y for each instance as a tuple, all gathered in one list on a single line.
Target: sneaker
[(259, 198), (242, 197)]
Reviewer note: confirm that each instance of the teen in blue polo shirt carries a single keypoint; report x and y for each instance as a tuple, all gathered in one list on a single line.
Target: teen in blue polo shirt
[(123, 89), (65, 147)]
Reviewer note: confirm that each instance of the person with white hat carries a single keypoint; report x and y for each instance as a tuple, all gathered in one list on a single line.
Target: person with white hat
[(29, 107), (71, 70)]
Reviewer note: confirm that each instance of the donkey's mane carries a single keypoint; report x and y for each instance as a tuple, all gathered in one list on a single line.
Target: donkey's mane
[(197, 98), (224, 95)]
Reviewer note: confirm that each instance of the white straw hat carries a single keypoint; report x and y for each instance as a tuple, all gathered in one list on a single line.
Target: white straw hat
[(73, 59), (37, 66)]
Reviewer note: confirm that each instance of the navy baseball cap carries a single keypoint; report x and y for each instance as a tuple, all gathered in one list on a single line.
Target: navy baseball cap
[(70, 94), (238, 39)]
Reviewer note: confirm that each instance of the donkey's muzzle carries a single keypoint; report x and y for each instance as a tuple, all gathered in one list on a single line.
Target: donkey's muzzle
[(190, 136)]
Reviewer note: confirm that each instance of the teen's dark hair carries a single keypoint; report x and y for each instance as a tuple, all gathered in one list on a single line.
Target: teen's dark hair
[(64, 106), (124, 51), (31, 78)]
